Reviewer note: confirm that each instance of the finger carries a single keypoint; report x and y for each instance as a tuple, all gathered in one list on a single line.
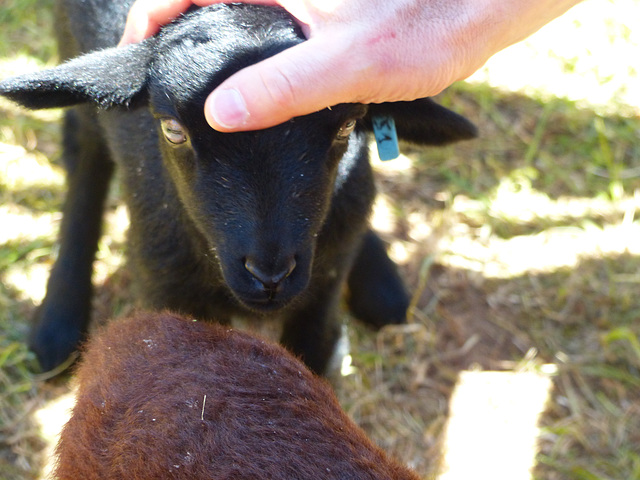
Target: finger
[(203, 3), (147, 16), (306, 78), (297, 8)]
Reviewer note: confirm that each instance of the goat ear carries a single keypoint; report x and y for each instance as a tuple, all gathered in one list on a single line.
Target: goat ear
[(110, 77), (424, 122)]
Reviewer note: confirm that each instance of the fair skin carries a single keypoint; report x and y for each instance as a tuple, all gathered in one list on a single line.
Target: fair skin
[(366, 51)]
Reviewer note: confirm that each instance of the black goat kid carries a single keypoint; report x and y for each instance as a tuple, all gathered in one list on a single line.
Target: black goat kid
[(265, 222)]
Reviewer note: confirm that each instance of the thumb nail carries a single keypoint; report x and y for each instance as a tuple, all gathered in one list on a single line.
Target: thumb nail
[(227, 108)]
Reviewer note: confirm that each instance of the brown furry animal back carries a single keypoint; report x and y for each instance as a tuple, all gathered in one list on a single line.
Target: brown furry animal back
[(162, 397)]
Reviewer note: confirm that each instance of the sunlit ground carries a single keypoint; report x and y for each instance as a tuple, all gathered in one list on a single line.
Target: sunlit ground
[(590, 56), (494, 425)]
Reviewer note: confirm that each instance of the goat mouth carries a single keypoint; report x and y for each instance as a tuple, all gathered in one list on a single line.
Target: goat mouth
[(264, 305)]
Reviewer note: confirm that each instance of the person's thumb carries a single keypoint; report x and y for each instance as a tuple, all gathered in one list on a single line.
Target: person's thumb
[(300, 80)]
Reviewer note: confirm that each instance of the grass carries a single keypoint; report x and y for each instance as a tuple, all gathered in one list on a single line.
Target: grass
[(520, 248)]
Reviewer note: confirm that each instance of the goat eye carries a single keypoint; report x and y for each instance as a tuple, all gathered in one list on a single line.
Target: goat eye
[(346, 129), (173, 131)]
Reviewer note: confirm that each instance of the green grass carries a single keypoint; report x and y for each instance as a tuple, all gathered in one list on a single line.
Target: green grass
[(27, 141), (520, 248), (27, 31)]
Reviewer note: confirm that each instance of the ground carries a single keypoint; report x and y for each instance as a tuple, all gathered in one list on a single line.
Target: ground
[(521, 250)]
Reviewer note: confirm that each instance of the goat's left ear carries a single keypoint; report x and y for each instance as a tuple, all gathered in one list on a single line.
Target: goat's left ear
[(423, 122), (109, 77)]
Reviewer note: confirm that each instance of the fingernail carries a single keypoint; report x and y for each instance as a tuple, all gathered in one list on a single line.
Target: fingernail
[(228, 109)]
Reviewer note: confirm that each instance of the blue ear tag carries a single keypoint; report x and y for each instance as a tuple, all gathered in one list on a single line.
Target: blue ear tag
[(384, 129)]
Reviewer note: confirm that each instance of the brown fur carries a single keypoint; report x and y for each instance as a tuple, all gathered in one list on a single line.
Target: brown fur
[(142, 414)]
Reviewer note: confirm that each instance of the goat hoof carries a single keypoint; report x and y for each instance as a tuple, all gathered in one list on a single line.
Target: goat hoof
[(54, 343), (380, 312)]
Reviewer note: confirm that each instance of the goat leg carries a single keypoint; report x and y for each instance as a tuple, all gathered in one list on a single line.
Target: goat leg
[(312, 333), (63, 318), (377, 295)]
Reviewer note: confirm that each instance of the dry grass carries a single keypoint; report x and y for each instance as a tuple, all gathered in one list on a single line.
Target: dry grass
[(522, 249)]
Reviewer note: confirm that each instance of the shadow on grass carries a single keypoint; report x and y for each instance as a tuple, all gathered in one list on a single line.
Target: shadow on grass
[(561, 149), (38, 199), (17, 391)]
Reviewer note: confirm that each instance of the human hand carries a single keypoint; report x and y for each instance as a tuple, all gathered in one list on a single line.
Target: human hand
[(365, 51)]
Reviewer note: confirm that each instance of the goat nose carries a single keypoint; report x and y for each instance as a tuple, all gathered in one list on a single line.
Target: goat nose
[(269, 280)]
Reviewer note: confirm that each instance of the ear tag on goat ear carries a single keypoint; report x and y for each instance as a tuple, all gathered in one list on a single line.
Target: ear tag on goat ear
[(384, 129)]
